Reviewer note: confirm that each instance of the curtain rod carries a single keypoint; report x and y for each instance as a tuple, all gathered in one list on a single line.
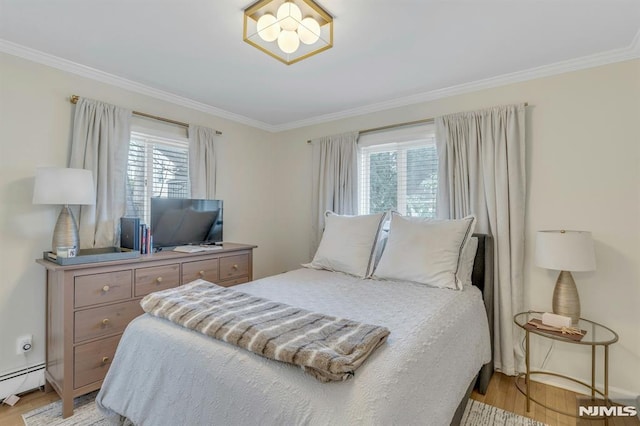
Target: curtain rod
[(392, 126), (74, 100)]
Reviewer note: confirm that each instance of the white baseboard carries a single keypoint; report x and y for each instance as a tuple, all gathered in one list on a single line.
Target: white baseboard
[(614, 393), (22, 380)]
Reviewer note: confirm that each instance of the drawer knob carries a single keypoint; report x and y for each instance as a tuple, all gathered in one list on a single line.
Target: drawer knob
[(105, 359), (201, 273), (159, 279), (105, 288), (105, 321), (235, 267)]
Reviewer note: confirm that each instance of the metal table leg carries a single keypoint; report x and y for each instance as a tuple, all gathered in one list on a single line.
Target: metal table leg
[(593, 372), (527, 378), (606, 380)]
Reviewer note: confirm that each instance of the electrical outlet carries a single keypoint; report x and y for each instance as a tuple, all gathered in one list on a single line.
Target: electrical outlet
[(24, 344)]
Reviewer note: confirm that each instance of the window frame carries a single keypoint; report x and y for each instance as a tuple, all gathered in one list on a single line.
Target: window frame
[(150, 142), (400, 141)]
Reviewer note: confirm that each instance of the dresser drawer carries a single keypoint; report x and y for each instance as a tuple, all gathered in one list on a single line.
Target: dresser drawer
[(92, 360), (234, 266), (156, 278), (104, 320), (102, 288), (233, 281), (201, 269)]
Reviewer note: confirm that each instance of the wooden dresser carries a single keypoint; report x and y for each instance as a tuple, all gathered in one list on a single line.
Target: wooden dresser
[(90, 305)]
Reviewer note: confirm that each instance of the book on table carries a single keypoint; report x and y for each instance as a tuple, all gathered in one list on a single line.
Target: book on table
[(129, 233), (566, 332)]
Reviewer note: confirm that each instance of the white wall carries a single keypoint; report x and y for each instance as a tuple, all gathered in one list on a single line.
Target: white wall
[(583, 170), (35, 123)]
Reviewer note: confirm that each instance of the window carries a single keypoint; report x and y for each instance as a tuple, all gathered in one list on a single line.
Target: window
[(398, 170), (157, 167)]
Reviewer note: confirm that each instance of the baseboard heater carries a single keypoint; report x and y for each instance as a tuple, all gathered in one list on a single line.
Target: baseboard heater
[(20, 381)]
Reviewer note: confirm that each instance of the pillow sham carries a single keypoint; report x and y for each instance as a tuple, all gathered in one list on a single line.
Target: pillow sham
[(466, 264), (348, 244), (425, 251)]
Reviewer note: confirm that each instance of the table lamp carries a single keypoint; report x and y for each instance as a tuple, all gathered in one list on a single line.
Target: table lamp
[(62, 186), (565, 251)]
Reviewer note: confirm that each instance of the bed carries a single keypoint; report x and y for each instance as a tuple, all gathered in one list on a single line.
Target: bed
[(439, 347)]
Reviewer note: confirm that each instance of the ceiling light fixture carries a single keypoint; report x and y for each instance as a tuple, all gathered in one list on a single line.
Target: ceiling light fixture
[(289, 31)]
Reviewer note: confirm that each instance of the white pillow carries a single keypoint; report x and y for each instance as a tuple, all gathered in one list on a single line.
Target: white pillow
[(466, 264), (425, 251), (348, 244)]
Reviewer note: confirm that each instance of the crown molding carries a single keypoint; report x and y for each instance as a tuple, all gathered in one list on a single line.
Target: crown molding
[(104, 77), (603, 58)]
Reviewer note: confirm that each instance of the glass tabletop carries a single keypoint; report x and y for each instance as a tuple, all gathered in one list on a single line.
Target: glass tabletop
[(597, 334)]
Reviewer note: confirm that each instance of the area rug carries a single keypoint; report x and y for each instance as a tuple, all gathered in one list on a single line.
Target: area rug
[(479, 414), (86, 414)]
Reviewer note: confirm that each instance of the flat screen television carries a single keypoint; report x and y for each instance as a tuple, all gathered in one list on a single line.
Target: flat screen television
[(183, 221)]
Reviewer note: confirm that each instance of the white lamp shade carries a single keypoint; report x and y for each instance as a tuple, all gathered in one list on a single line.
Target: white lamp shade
[(57, 185), (565, 250)]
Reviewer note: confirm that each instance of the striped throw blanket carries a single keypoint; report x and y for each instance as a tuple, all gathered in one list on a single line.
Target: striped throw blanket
[(327, 347)]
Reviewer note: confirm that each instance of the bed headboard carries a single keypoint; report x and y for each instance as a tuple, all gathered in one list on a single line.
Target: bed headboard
[(483, 263), (482, 277)]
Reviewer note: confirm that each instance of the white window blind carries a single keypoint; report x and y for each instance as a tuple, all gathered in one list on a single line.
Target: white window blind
[(157, 167), (398, 170)]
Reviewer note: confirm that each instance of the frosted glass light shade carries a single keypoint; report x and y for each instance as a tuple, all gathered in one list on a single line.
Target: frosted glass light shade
[(268, 27), (288, 41), (63, 186), (289, 16), (309, 31), (565, 250)]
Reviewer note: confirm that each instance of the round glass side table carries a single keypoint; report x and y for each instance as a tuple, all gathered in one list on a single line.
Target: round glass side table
[(597, 335)]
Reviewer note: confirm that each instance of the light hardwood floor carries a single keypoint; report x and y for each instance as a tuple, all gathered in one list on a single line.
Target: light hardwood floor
[(12, 416), (502, 393)]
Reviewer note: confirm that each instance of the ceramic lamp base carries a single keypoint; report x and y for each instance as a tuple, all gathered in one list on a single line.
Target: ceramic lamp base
[(565, 297), (65, 234)]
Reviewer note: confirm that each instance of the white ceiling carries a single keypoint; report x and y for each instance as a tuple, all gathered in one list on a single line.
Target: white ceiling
[(385, 53)]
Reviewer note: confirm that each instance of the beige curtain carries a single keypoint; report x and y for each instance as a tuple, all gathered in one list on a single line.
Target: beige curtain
[(481, 171), (202, 162), (335, 180), (100, 143)]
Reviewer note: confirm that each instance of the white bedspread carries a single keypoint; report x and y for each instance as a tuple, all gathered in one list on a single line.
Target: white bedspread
[(163, 374)]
